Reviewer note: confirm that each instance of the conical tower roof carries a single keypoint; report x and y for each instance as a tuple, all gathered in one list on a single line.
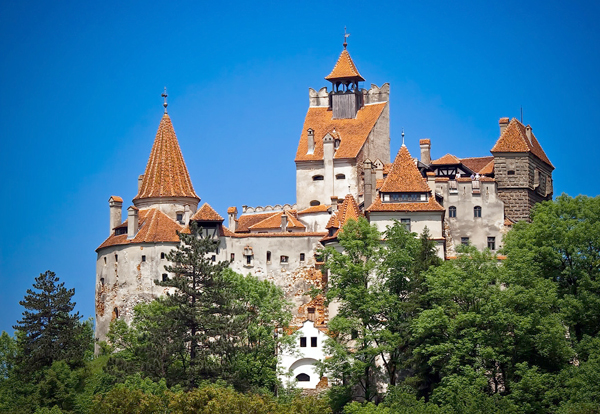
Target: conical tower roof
[(344, 69), (166, 173), (404, 177)]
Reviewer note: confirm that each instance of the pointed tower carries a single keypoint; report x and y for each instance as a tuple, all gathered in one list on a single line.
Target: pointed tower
[(345, 98), (166, 183)]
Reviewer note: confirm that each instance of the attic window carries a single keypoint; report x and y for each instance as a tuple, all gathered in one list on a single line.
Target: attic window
[(120, 230), (340, 176), (315, 203), (317, 178), (336, 144)]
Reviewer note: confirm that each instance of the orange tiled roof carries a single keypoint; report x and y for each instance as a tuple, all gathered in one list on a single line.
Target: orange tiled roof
[(166, 173), (344, 68), (274, 221), (514, 139), (353, 132), (488, 169), (207, 213), (475, 164), (379, 183), (321, 208), (277, 234), (430, 205), (231, 210), (346, 211), (404, 177), (387, 168), (246, 220), (116, 198), (425, 141), (154, 226), (447, 159)]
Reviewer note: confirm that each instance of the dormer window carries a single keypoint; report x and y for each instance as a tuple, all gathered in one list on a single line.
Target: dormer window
[(336, 144), (120, 230), (404, 197), (318, 178)]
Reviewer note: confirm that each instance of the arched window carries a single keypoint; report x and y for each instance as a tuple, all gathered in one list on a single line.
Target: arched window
[(303, 377), (317, 178), (340, 176), (451, 211), (315, 203), (477, 211)]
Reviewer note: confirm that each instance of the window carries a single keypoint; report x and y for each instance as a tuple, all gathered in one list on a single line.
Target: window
[(284, 259), (317, 178), (213, 258), (102, 281), (162, 255), (116, 313), (311, 314), (248, 260), (116, 257), (492, 243), (303, 342), (143, 258), (313, 342), (120, 230), (406, 223), (386, 197), (165, 277), (315, 203), (268, 257), (232, 257), (302, 377), (340, 176), (104, 259), (477, 211), (511, 172), (464, 241), (302, 256), (452, 212)]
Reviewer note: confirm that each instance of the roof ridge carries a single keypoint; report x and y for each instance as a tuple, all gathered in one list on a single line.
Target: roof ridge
[(207, 213)]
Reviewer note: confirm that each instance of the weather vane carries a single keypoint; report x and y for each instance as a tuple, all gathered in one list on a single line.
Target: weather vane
[(164, 95), (346, 35), (403, 137)]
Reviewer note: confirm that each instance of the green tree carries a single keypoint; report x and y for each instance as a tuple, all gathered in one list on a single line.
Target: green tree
[(49, 330), (8, 354)]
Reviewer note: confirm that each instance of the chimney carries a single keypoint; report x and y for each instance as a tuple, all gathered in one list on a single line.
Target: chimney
[(311, 141), (284, 222), (334, 203), (528, 132), (425, 151), (115, 204), (132, 221), (368, 181), (232, 218), (431, 182), (140, 181), (503, 124)]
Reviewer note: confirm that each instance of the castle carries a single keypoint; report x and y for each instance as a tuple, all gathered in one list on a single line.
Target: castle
[(343, 171)]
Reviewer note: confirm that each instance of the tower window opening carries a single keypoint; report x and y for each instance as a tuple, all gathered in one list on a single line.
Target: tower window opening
[(477, 211), (340, 176), (302, 257), (268, 257), (104, 259), (143, 258), (162, 255), (116, 257), (452, 212), (102, 281), (180, 218), (318, 178), (116, 313)]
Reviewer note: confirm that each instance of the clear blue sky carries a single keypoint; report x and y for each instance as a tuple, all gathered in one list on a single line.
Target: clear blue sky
[(81, 85)]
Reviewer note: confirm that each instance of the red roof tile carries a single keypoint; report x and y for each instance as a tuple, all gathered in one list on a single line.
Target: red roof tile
[(404, 177), (166, 173), (353, 132), (207, 213), (274, 222), (116, 198), (344, 68), (321, 208), (430, 205), (475, 164), (154, 226), (231, 210), (246, 220), (447, 159), (488, 169), (514, 139)]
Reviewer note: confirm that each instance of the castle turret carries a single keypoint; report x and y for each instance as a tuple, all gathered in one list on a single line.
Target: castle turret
[(345, 99)]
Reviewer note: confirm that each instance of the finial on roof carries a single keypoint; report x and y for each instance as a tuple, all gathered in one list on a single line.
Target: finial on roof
[(164, 95), (346, 35), (403, 138)]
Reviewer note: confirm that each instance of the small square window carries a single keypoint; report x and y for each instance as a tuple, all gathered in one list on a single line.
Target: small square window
[(302, 257), (180, 217), (284, 259), (302, 342), (165, 277), (232, 257), (406, 223), (313, 342), (464, 241), (162, 255), (143, 258), (213, 258), (491, 243)]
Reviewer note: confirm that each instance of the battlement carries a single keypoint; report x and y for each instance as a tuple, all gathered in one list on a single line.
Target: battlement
[(268, 209), (372, 95)]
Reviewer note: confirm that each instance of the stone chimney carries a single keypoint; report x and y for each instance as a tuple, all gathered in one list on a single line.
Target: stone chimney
[(334, 203), (140, 181), (132, 221), (311, 141), (425, 151), (503, 124), (431, 182), (368, 181), (284, 222), (528, 132), (232, 218), (115, 204)]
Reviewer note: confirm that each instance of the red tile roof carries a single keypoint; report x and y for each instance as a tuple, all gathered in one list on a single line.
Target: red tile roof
[(353, 132), (514, 139), (344, 68), (247, 220), (232, 210), (154, 226), (430, 205), (166, 173), (404, 176), (207, 213), (447, 159), (475, 164), (346, 211), (321, 208), (425, 141), (488, 169), (278, 234), (116, 198), (274, 222)]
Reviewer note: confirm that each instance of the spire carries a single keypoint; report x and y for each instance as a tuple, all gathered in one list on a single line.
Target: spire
[(404, 176), (346, 36), (164, 95), (344, 69), (166, 174)]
